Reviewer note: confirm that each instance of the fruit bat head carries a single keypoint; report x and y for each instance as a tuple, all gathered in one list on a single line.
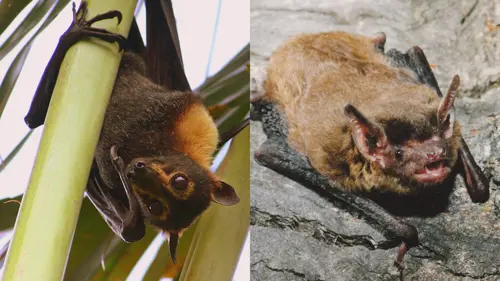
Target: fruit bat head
[(172, 191)]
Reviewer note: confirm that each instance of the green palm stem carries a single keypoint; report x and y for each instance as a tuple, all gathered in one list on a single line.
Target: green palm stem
[(49, 211)]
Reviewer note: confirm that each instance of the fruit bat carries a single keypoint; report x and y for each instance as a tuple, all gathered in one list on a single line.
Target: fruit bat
[(156, 145), (347, 119)]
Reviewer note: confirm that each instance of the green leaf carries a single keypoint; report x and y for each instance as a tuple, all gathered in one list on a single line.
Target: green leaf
[(11, 76), (122, 259), (242, 58), (227, 93), (33, 18), (9, 208), (9, 9), (230, 80)]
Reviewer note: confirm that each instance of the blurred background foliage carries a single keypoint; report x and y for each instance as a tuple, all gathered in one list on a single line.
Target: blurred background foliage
[(96, 253)]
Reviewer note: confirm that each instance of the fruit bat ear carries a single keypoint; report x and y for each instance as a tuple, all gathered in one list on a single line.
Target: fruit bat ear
[(369, 137), (445, 112), (224, 194)]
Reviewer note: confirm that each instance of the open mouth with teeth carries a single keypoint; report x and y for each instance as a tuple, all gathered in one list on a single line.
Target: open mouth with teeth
[(433, 172)]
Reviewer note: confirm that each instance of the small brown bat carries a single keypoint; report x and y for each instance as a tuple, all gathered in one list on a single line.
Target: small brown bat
[(153, 157), (364, 120), (359, 121)]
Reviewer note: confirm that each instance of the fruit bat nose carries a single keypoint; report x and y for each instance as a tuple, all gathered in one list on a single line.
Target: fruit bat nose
[(139, 165), (130, 174)]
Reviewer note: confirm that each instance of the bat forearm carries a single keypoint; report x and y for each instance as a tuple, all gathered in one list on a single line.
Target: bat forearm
[(79, 29), (40, 103)]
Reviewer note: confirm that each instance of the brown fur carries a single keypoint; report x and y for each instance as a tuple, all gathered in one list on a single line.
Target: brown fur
[(146, 120), (311, 78), (198, 135)]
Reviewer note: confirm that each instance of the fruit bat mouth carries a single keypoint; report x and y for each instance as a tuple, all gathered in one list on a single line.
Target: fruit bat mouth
[(433, 172)]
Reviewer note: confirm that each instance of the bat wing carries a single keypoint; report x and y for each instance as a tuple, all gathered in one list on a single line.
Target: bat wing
[(135, 42), (115, 208), (163, 52), (226, 136)]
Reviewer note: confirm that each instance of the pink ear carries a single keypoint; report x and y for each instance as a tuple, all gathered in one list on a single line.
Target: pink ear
[(445, 110), (369, 137), (379, 41)]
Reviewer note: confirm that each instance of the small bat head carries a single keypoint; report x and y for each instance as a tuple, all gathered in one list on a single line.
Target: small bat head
[(422, 152), (174, 190)]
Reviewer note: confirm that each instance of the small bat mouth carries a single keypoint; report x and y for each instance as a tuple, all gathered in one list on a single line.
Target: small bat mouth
[(433, 172)]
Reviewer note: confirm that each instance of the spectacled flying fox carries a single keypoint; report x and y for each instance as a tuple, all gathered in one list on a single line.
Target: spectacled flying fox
[(153, 157)]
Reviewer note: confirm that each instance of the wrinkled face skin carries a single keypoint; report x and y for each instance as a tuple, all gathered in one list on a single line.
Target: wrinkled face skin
[(421, 162), (421, 150)]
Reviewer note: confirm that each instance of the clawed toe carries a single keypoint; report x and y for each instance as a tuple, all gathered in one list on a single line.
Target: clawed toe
[(82, 28)]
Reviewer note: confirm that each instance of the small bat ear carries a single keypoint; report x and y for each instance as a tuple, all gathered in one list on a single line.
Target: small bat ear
[(445, 112), (368, 136), (225, 195), (379, 41)]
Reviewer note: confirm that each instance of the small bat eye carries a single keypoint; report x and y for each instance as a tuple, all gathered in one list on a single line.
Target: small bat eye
[(179, 182), (155, 208), (399, 154), (140, 165)]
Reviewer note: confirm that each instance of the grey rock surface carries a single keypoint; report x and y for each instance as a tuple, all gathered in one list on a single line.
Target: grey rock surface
[(298, 235)]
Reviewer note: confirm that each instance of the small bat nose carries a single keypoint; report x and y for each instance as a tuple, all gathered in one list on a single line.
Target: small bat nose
[(130, 174), (439, 152)]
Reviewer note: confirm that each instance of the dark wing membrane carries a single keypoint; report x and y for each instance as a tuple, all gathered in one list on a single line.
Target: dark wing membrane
[(163, 47), (115, 208), (226, 136)]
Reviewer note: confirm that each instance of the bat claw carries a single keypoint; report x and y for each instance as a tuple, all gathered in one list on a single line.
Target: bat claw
[(108, 15), (398, 262), (117, 160), (81, 28)]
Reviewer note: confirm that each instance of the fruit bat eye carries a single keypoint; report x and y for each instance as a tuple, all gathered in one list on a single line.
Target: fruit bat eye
[(179, 182), (399, 154), (155, 208), (140, 165)]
